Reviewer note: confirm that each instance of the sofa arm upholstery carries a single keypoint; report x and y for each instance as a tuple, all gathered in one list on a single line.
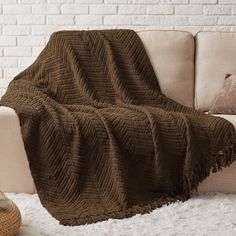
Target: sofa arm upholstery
[(15, 174)]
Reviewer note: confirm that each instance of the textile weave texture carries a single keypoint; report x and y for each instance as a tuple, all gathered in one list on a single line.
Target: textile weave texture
[(101, 139)]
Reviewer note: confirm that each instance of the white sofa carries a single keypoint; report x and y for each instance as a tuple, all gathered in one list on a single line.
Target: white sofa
[(190, 70)]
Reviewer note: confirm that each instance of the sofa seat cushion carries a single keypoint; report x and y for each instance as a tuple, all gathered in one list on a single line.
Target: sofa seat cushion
[(15, 174), (222, 181)]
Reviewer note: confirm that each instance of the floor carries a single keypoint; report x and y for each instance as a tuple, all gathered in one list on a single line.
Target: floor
[(209, 214)]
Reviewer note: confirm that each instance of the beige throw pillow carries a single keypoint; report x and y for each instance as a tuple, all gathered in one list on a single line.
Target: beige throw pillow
[(225, 102)]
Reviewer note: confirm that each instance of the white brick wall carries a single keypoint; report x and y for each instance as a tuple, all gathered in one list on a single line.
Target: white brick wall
[(25, 25)]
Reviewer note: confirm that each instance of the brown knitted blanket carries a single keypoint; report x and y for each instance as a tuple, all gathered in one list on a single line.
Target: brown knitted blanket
[(101, 139)]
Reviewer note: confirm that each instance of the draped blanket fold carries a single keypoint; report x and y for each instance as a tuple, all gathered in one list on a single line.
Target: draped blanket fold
[(101, 139)]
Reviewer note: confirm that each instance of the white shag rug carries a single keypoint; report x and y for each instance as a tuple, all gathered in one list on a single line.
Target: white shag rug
[(209, 214)]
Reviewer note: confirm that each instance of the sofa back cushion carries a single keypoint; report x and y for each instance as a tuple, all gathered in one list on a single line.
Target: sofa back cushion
[(172, 56), (215, 57)]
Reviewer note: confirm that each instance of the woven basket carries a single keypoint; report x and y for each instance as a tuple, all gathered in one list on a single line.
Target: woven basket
[(10, 218)]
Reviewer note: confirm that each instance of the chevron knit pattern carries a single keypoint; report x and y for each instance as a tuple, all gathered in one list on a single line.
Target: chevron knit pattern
[(101, 139)]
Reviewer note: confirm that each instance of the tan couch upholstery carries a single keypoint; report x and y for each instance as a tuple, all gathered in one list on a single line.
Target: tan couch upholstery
[(172, 56), (14, 168), (215, 57), (222, 181)]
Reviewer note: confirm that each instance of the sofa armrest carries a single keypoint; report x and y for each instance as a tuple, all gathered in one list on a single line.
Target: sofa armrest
[(15, 174)]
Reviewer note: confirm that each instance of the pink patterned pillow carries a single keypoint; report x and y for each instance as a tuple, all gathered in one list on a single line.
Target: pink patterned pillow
[(225, 102)]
